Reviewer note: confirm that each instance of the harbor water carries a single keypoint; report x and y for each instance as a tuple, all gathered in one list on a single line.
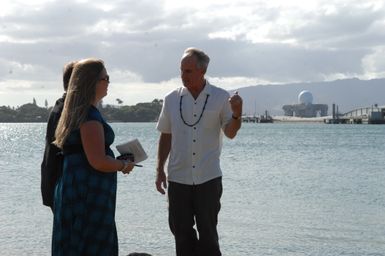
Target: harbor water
[(289, 189)]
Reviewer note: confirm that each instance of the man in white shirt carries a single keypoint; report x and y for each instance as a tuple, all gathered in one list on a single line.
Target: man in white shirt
[(192, 122)]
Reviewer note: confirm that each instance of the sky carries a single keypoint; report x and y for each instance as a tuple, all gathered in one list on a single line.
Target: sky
[(250, 42)]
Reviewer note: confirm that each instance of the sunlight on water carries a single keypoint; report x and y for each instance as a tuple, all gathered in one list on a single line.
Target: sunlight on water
[(289, 189)]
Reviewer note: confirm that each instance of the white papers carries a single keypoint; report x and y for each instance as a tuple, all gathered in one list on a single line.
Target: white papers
[(134, 147)]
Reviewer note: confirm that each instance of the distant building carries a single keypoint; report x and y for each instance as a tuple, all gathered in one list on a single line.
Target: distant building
[(305, 107)]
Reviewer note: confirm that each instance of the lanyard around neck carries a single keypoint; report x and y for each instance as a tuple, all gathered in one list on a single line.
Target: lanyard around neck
[(181, 115)]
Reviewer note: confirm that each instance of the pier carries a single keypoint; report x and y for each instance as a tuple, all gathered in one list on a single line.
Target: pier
[(266, 118), (366, 115)]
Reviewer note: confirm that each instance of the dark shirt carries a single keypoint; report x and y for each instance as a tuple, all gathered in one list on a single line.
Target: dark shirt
[(52, 165)]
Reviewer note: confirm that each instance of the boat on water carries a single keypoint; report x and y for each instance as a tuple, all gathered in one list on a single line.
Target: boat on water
[(266, 118)]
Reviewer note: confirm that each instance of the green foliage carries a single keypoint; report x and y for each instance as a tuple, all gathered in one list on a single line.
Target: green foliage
[(26, 113), (7, 115), (141, 112)]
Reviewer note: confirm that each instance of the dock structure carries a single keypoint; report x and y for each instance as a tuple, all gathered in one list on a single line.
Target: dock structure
[(366, 115), (250, 119), (266, 118)]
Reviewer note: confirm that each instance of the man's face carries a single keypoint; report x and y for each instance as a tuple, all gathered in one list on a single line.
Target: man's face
[(192, 77)]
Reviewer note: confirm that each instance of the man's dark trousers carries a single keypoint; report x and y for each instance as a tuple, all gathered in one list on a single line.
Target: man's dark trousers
[(200, 204)]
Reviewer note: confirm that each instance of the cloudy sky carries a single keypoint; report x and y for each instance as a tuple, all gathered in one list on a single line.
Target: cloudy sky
[(250, 42)]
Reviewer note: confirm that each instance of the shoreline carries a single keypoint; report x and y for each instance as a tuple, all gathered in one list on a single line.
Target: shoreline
[(293, 119)]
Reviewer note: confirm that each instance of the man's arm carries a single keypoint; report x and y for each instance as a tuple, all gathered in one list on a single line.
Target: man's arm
[(164, 148), (234, 125)]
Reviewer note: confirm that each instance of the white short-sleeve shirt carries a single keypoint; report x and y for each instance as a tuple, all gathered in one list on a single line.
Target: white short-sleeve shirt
[(195, 148)]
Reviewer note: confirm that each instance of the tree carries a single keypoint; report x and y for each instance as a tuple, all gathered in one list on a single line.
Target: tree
[(7, 114), (46, 103), (30, 112), (119, 101)]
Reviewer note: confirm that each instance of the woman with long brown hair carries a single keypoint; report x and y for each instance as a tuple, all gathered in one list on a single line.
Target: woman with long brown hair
[(85, 195)]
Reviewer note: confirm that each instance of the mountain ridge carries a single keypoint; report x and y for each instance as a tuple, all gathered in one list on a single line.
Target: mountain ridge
[(347, 94)]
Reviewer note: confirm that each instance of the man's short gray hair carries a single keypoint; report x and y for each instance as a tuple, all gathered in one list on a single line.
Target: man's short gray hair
[(202, 58)]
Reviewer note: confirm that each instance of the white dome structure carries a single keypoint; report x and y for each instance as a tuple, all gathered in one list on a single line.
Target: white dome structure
[(305, 97)]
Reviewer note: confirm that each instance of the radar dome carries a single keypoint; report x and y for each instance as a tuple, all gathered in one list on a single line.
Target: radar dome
[(305, 97)]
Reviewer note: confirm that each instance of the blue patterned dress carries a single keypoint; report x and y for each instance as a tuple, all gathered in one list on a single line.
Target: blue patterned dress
[(84, 203)]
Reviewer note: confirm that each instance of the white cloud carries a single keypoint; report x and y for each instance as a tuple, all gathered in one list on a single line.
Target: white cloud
[(373, 64), (231, 83), (125, 76), (249, 41)]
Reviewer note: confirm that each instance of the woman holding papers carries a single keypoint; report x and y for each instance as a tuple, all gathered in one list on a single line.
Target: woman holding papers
[(85, 195)]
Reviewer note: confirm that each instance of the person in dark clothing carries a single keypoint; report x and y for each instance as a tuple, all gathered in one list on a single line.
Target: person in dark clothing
[(85, 193), (51, 167)]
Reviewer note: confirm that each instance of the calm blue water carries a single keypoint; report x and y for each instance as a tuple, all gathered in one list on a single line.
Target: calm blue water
[(289, 189)]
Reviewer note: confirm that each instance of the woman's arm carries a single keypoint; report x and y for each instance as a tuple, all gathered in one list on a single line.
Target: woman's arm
[(92, 136)]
